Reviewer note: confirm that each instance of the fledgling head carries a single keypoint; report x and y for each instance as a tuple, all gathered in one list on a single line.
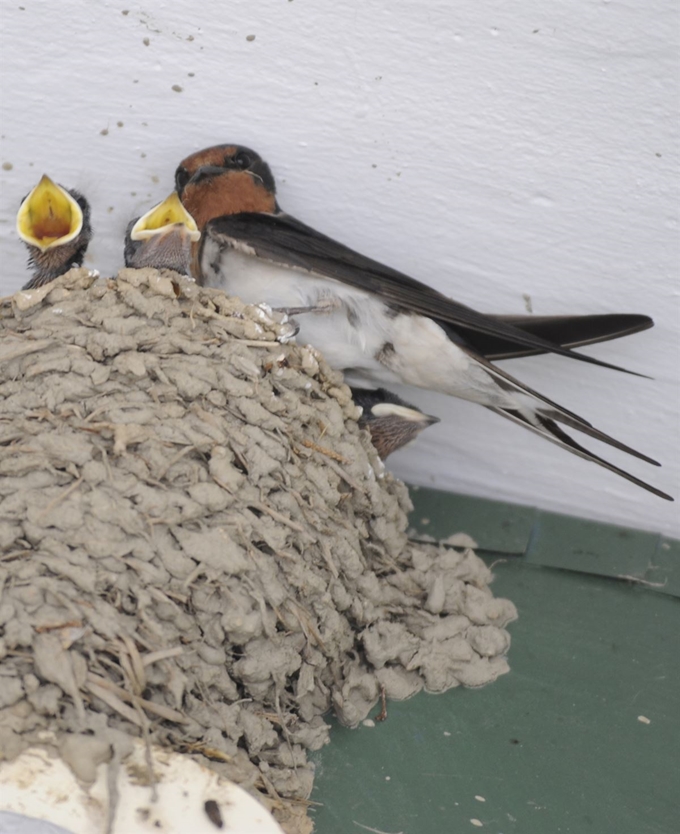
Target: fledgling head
[(225, 179), (162, 237), (55, 226), (391, 422)]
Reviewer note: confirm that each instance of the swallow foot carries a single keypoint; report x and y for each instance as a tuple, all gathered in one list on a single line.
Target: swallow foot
[(327, 305), (289, 330)]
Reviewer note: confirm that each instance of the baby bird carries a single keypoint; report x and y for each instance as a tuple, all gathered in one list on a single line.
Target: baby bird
[(392, 422), (55, 226), (162, 237)]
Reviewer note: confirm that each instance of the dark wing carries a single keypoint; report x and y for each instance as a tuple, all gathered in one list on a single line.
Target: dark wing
[(284, 240), (567, 331)]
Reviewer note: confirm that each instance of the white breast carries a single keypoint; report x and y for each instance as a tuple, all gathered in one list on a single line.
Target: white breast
[(354, 335), (349, 335)]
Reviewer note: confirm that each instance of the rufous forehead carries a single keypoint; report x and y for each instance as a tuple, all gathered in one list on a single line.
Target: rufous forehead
[(208, 156)]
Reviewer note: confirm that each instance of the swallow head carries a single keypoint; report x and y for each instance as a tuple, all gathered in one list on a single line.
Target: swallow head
[(55, 226), (225, 179), (391, 422), (162, 237), (231, 157)]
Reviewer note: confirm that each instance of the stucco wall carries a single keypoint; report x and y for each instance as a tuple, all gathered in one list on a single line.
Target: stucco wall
[(506, 153)]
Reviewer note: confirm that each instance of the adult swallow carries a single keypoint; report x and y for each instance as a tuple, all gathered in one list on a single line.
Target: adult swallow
[(162, 237), (55, 226), (378, 325), (392, 422)]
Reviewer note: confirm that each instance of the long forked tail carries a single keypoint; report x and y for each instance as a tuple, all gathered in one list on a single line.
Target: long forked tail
[(536, 412), (548, 428)]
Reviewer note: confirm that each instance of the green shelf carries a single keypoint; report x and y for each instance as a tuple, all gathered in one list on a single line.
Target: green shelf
[(551, 539), (581, 736)]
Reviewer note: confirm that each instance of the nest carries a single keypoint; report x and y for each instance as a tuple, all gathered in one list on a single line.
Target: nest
[(201, 546)]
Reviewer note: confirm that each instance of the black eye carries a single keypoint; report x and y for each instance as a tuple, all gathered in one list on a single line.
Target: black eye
[(182, 177), (242, 160)]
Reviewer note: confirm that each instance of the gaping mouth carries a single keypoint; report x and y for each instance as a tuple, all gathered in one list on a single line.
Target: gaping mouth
[(404, 412), (49, 216), (162, 218)]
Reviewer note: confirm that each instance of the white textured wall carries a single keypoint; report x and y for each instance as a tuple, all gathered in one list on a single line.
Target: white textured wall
[(495, 150)]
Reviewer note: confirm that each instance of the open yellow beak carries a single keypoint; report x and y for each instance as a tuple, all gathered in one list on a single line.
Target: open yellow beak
[(161, 218), (411, 415), (49, 216)]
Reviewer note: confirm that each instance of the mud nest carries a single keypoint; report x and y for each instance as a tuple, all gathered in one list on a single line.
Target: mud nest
[(200, 545)]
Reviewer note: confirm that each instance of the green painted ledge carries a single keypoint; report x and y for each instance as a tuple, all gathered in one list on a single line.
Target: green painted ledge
[(581, 737), (544, 538)]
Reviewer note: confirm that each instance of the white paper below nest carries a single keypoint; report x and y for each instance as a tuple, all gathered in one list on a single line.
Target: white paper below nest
[(200, 544)]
